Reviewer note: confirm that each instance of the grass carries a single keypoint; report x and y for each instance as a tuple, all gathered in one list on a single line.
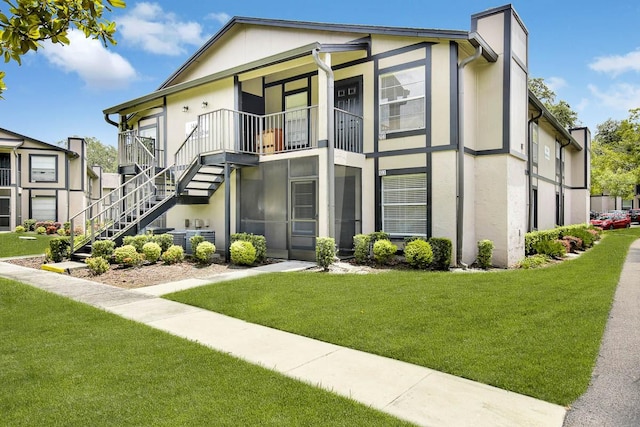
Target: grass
[(12, 245), (65, 363), (535, 332)]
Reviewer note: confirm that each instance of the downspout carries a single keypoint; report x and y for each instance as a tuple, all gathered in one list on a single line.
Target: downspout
[(330, 141), (460, 186), (530, 167), (111, 122)]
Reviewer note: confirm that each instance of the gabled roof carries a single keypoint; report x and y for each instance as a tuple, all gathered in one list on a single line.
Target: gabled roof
[(49, 146), (546, 114), (166, 88)]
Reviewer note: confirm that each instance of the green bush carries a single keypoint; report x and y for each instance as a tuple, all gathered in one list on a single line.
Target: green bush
[(532, 238), (97, 265), (195, 241), (164, 240), (485, 253), (20, 229), (418, 254), (41, 230), (442, 249), (60, 248), (325, 252), (29, 224), (103, 248), (204, 252), (259, 243), (384, 251), (137, 241), (552, 248), (127, 256), (361, 248), (242, 252), (173, 255), (533, 261), (378, 235), (151, 251)]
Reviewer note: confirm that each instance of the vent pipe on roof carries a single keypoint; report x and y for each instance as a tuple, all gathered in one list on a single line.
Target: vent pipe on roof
[(460, 186)]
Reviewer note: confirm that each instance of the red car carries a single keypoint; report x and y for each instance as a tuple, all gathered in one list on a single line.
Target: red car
[(610, 221)]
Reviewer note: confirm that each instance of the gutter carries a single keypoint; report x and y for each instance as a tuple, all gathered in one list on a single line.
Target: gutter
[(460, 183), (530, 168), (330, 141)]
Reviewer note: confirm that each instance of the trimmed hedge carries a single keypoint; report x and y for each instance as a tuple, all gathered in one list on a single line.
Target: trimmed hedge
[(258, 242), (442, 249), (242, 252), (485, 253), (325, 251), (418, 254)]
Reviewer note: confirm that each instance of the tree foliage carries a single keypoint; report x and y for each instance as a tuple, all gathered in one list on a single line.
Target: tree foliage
[(99, 154), (561, 110), (615, 157), (28, 22)]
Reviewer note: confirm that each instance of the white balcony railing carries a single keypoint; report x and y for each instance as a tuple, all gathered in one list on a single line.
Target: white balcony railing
[(5, 177), (138, 150)]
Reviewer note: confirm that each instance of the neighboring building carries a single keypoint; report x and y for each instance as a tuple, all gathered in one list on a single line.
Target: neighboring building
[(295, 130), (43, 181)]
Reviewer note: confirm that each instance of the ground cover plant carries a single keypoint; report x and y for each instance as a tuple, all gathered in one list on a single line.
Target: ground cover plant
[(65, 363), (12, 245), (535, 332)]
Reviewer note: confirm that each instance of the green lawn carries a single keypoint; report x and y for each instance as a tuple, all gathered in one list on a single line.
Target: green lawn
[(12, 245), (65, 363), (535, 332)]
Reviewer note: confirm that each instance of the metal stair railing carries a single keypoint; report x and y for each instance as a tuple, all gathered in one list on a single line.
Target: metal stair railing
[(137, 150), (98, 217)]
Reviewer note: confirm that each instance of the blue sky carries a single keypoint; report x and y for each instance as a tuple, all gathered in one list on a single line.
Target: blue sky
[(588, 52)]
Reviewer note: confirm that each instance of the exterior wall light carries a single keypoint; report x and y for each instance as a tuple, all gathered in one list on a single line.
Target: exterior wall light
[(205, 104), (185, 108)]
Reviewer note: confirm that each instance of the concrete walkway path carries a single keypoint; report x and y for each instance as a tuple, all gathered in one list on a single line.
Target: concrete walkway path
[(413, 393), (613, 397)]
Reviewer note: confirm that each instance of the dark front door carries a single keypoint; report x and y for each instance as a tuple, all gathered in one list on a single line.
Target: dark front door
[(348, 98)]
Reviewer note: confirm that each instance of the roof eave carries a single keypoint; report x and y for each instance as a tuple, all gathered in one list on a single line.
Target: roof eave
[(553, 121)]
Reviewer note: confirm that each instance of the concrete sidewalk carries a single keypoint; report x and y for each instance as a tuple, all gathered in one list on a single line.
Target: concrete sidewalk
[(413, 393)]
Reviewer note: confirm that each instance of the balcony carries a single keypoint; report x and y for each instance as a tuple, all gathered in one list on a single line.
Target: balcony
[(5, 177)]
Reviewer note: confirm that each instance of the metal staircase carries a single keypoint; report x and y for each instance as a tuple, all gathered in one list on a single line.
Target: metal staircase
[(217, 145)]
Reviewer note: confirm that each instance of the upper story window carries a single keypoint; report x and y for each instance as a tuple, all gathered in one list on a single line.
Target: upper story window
[(43, 168), (402, 100), (534, 148)]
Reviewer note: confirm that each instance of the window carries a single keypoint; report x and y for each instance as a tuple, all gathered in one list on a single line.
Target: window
[(44, 168), (402, 100), (404, 204), (534, 148), (43, 208)]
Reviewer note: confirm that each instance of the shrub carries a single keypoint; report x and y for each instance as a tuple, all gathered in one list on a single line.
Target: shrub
[(151, 251), (485, 253), (441, 248), (127, 255), (41, 230), (378, 235), (418, 254), (97, 265), (173, 255), (164, 240), (384, 251), (20, 229), (103, 249), (60, 248), (195, 241), (242, 252), (29, 224), (137, 241), (325, 252), (552, 248), (259, 243), (51, 229), (60, 232), (204, 252), (361, 248), (575, 243), (532, 238), (533, 261)]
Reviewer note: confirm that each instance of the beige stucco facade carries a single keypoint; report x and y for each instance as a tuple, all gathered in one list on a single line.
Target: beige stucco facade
[(447, 112)]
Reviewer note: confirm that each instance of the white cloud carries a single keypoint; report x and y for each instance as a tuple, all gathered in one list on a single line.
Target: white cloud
[(617, 64), (97, 67), (157, 31), (555, 83), (221, 17), (620, 97)]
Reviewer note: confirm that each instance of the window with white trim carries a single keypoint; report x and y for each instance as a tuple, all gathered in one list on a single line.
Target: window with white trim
[(43, 168), (402, 100), (404, 204), (43, 208)]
